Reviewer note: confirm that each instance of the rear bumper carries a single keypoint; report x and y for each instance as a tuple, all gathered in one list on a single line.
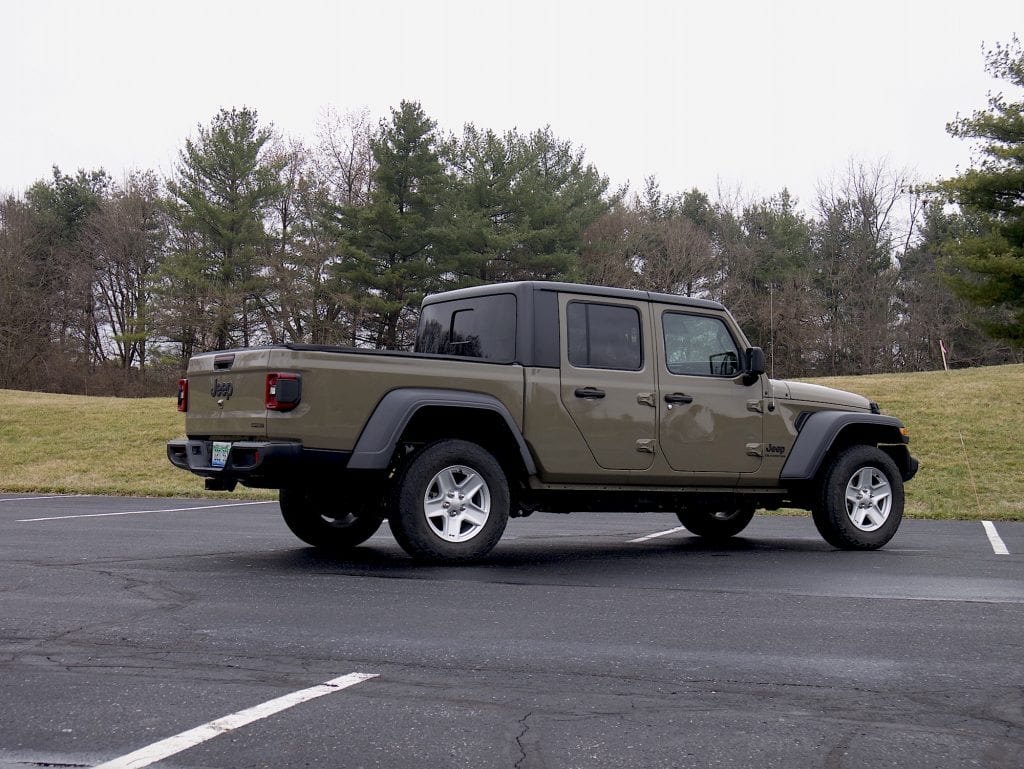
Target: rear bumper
[(260, 464)]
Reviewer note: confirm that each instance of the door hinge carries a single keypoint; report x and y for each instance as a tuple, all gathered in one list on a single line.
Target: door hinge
[(754, 450), (645, 445), (756, 406), (646, 399)]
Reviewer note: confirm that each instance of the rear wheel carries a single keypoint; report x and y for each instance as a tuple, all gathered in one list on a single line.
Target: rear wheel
[(859, 504), (717, 524), (320, 519), (450, 503)]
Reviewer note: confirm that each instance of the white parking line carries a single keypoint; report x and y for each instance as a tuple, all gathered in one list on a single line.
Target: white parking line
[(185, 740), (52, 496), (998, 546), (142, 512), (658, 534)]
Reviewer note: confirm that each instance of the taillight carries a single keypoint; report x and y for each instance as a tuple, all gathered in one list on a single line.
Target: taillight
[(182, 395), (284, 391)]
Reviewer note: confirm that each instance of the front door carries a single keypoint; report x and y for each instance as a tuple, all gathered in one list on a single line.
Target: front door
[(711, 422), (607, 378)]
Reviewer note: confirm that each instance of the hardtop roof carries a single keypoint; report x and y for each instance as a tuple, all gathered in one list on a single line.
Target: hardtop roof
[(518, 287)]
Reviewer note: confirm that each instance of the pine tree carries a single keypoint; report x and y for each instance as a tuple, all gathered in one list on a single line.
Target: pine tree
[(225, 180), (391, 257), (520, 205), (987, 267), (63, 273)]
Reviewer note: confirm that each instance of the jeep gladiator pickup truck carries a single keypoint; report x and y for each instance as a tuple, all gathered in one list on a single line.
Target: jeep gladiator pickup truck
[(534, 396)]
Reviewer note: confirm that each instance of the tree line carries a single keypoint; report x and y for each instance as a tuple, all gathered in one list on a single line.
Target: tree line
[(110, 285)]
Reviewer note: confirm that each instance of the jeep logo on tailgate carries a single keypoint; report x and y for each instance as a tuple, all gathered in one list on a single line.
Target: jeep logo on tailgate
[(221, 389)]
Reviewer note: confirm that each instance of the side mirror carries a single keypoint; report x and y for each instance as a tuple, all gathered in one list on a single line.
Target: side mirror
[(755, 365)]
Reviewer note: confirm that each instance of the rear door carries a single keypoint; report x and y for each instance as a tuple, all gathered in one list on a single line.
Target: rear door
[(607, 378)]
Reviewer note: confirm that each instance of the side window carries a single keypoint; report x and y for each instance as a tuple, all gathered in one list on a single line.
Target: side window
[(484, 327), (604, 336), (699, 345)]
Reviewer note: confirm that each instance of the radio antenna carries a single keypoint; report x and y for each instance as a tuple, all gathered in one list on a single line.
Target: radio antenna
[(771, 328)]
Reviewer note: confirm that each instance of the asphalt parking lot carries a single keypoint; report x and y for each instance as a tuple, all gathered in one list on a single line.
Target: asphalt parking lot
[(200, 633)]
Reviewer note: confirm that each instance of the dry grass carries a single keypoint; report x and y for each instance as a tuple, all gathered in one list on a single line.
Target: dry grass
[(87, 445), (80, 444)]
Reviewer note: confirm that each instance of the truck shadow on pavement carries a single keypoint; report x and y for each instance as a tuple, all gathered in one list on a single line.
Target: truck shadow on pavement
[(383, 558)]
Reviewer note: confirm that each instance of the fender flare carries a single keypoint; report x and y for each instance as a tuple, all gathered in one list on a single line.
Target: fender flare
[(395, 410), (819, 433)]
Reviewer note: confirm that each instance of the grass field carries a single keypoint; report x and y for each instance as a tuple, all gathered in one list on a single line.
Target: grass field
[(87, 445), (80, 444), (984, 407)]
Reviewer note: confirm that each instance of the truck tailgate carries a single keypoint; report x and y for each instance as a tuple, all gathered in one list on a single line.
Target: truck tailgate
[(226, 394)]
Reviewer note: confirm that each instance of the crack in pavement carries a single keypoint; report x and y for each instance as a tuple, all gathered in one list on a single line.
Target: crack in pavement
[(524, 729)]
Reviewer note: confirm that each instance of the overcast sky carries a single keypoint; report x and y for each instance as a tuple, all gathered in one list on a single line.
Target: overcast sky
[(734, 93)]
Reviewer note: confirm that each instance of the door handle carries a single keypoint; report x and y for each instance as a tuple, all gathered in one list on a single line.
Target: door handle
[(590, 393), (678, 398)]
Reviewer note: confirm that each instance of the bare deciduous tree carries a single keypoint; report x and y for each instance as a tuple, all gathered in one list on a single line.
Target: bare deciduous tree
[(304, 303), (651, 245), (124, 239), (867, 220), (344, 155), (24, 324)]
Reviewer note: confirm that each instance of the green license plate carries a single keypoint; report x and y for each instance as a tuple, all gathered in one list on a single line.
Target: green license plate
[(219, 456)]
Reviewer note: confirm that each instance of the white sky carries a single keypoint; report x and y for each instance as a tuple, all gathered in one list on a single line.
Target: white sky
[(733, 93)]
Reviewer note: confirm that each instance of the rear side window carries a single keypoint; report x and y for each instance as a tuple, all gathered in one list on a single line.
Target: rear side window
[(699, 345), (482, 327), (604, 336)]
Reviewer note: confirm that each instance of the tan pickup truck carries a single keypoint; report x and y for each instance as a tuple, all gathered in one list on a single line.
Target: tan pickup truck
[(534, 396)]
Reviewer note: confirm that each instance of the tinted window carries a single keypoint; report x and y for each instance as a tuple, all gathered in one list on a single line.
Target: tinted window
[(699, 345), (604, 336), (483, 327)]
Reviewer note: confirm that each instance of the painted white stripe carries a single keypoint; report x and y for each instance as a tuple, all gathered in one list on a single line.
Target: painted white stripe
[(143, 512), (658, 534), (189, 739), (52, 496), (998, 546)]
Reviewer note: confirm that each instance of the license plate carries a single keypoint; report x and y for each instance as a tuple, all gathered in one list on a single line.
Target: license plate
[(219, 456)]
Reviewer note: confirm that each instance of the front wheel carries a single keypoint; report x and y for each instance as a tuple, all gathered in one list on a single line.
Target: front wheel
[(859, 503), (717, 524), (318, 519), (450, 503)]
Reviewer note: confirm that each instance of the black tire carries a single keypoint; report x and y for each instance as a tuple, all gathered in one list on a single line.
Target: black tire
[(430, 516), (320, 520), (859, 503), (717, 524)]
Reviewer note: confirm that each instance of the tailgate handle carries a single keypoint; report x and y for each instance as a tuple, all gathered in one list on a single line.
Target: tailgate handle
[(223, 362)]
